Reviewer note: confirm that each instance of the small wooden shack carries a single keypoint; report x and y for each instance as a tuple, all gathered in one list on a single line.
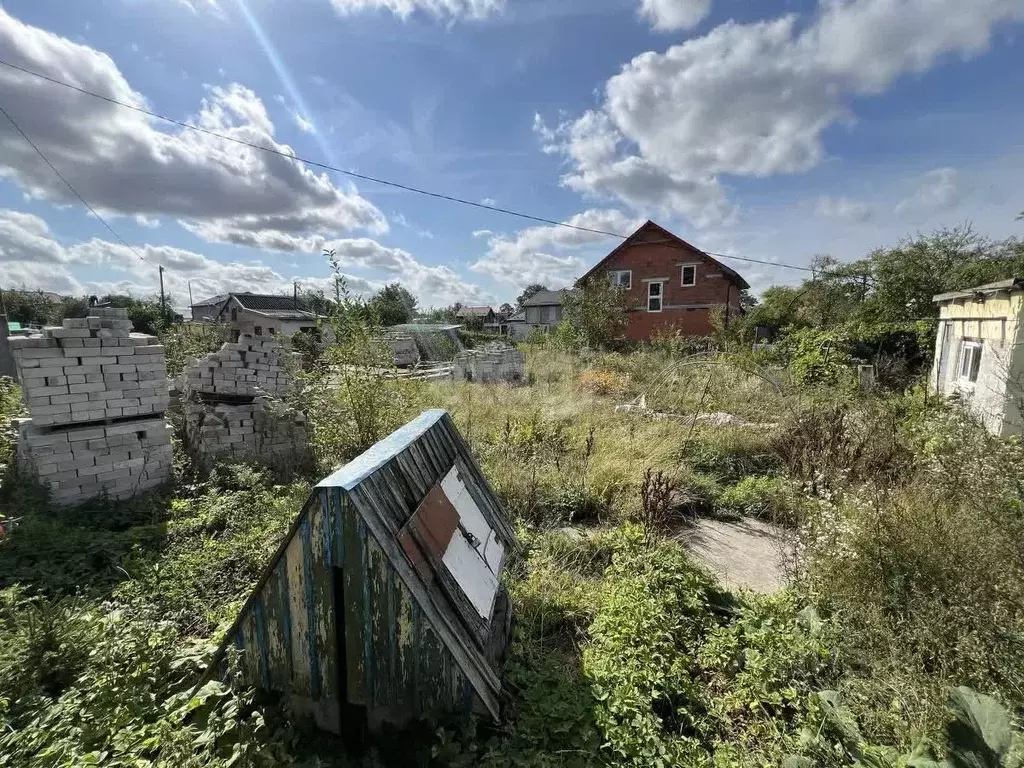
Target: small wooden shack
[(384, 603)]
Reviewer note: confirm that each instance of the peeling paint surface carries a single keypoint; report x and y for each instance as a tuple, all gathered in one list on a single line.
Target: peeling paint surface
[(342, 594)]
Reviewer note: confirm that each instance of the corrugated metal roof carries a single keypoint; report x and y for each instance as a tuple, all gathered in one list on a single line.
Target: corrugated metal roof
[(262, 302), (287, 314), (546, 299), (474, 312), (213, 301), (1009, 284), (374, 598)]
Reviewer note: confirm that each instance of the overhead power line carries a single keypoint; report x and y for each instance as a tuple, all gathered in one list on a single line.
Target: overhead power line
[(354, 174), (74, 191)]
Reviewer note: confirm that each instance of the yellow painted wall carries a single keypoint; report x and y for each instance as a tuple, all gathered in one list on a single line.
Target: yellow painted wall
[(996, 322)]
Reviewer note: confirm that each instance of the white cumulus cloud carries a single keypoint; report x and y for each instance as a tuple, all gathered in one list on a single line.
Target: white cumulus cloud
[(843, 208), (304, 125), (936, 191), (754, 99), (32, 257), (550, 255), (451, 9), (667, 15), (126, 163)]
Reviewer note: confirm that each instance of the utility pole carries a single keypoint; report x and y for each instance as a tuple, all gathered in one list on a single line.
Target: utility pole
[(295, 294), (190, 294), (163, 301)]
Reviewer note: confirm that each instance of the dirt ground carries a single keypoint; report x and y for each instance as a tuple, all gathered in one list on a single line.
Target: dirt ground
[(748, 553)]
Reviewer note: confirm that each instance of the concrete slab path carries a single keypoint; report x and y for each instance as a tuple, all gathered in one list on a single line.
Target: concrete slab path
[(748, 553)]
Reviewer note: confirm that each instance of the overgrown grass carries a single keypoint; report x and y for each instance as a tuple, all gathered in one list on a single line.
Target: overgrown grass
[(908, 580)]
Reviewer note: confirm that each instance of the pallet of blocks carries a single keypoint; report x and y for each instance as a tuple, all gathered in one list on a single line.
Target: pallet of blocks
[(96, 394)]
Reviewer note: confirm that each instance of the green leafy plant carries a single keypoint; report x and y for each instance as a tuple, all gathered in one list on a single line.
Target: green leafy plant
[(979, 734)]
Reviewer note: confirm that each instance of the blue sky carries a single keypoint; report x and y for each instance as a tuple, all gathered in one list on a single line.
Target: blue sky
[(771, 130)]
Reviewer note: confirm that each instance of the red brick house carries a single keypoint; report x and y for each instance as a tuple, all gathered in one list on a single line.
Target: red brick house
[(670, 285)]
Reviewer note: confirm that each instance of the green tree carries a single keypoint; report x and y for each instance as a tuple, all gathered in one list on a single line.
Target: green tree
[(447, 314), (394, 304), (529, 292), (596, 314), (506, 310)]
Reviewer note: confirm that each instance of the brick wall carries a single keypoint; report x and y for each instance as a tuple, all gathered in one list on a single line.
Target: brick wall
[(686, 309), (96, 394)]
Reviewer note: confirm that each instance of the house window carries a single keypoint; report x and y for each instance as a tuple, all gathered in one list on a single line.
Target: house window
[(621, 278), (271, 331), (654, 296), (234, 315), (259, 330), (689, 275), (970, 361)]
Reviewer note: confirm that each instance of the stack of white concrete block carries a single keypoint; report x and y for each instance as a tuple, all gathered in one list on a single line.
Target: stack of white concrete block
[(262, 429), (231, 408), (490, 365), (245, 368), (404, 350), (96, 394)]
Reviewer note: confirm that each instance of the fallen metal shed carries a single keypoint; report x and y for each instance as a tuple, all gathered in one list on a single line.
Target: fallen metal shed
[(384, 603)]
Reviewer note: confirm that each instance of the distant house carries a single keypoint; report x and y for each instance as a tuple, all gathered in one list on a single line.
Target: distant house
[(671, 286), (543, 312), (257, 314), (476, 315), (515, 326), (208, 309), (979, 352)]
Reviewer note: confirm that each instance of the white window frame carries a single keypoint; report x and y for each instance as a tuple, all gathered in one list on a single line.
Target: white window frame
[(968, 359), (682, 275), (660, 297), (615, 278)]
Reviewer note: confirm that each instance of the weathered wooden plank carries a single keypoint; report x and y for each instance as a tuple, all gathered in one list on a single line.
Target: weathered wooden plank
[(339, 505), (298, 596), (323, 623), (431, 661), (405, 653), (411, 490), (278, 629), (438, 608), (353, 579), (247, 644), (308, 538), (379, 621), (393, 496), (441, 450), (366, 582), (377, 490), (407, 462), (326, 519)]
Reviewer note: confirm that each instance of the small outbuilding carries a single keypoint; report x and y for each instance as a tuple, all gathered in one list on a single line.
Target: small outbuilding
[(979, 352), (384, 603)]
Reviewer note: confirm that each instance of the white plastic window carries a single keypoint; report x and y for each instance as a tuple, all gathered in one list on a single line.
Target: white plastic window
[(621, 278), (970, 361), (654, 296)]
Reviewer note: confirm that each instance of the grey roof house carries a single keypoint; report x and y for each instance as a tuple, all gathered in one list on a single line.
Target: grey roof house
[(257, 314), (479, 314), (543, 311)]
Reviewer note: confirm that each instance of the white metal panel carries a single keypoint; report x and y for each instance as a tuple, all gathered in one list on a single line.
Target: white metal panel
[(474, 563)]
